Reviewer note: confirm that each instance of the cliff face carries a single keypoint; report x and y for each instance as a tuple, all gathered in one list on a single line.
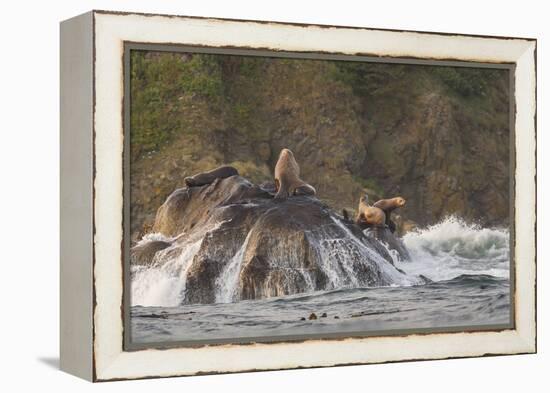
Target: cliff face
[(437, 136)]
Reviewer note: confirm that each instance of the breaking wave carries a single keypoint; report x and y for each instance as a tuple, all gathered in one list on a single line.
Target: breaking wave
[(453, 248), (441, 252), (163, 285)]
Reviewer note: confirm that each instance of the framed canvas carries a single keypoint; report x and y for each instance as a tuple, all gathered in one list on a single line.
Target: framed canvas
[(245, 195)]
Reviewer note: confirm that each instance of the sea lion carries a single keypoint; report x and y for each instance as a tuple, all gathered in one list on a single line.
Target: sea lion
[(368, 215), (204, 178), (287, 177), (389, 205)]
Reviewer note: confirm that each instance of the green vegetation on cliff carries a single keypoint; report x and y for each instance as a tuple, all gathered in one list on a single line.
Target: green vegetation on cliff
[(438, 136)]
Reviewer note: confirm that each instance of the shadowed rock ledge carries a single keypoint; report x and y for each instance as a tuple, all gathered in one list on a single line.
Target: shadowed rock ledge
[(230, 240)]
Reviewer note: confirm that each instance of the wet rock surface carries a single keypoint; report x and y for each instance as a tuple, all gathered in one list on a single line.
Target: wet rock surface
[(233, 241), (144, 253)]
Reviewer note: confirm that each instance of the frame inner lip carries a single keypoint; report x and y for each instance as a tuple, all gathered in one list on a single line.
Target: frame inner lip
[(128, 345)]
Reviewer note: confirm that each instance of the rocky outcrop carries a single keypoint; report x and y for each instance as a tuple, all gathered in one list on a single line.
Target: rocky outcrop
[(234, 241)]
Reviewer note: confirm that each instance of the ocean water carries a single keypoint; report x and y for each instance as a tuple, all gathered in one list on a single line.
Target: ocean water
[(468, 266)]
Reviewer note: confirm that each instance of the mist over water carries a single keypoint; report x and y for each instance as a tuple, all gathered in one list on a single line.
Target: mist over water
[(468, 264)]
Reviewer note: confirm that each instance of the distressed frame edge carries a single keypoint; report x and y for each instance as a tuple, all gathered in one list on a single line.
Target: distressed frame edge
[(527, 340), (526, 188), (76, 196), (304, 24)]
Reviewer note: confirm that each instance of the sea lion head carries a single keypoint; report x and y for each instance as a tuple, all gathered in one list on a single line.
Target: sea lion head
[(286, 153), (400, 202), (364, 199)]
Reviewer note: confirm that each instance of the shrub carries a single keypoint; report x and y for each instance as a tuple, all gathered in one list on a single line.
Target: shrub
[(159, 81), (466, 81)]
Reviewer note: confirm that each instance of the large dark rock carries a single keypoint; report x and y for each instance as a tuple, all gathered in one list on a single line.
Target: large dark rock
[(233, 241), (392, 242)]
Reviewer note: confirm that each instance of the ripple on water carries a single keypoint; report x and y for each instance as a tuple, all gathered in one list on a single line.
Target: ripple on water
[(464, 301)]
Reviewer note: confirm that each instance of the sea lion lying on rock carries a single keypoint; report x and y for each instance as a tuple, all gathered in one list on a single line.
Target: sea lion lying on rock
[(368, 215), (204, 178), (287, 177), (389, 205)]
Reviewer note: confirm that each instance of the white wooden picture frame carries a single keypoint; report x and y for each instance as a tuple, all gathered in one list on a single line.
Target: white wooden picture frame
[(92, 203)]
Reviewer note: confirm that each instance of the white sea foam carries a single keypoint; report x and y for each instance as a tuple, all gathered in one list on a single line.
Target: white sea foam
[(453, 247), (149, 237), (163, 284), (228, 281), (440, 252), (344, 254)]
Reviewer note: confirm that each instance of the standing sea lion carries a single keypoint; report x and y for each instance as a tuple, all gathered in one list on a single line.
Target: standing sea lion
[(389, 205), (204, 178), (287, 177), (368, 215)]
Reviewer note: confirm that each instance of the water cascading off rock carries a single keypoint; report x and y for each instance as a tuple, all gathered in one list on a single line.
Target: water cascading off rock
[(230, 240)]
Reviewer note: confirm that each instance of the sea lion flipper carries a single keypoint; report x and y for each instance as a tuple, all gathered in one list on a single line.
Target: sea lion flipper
[(282, 191), (304, 189), (345, 214)]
